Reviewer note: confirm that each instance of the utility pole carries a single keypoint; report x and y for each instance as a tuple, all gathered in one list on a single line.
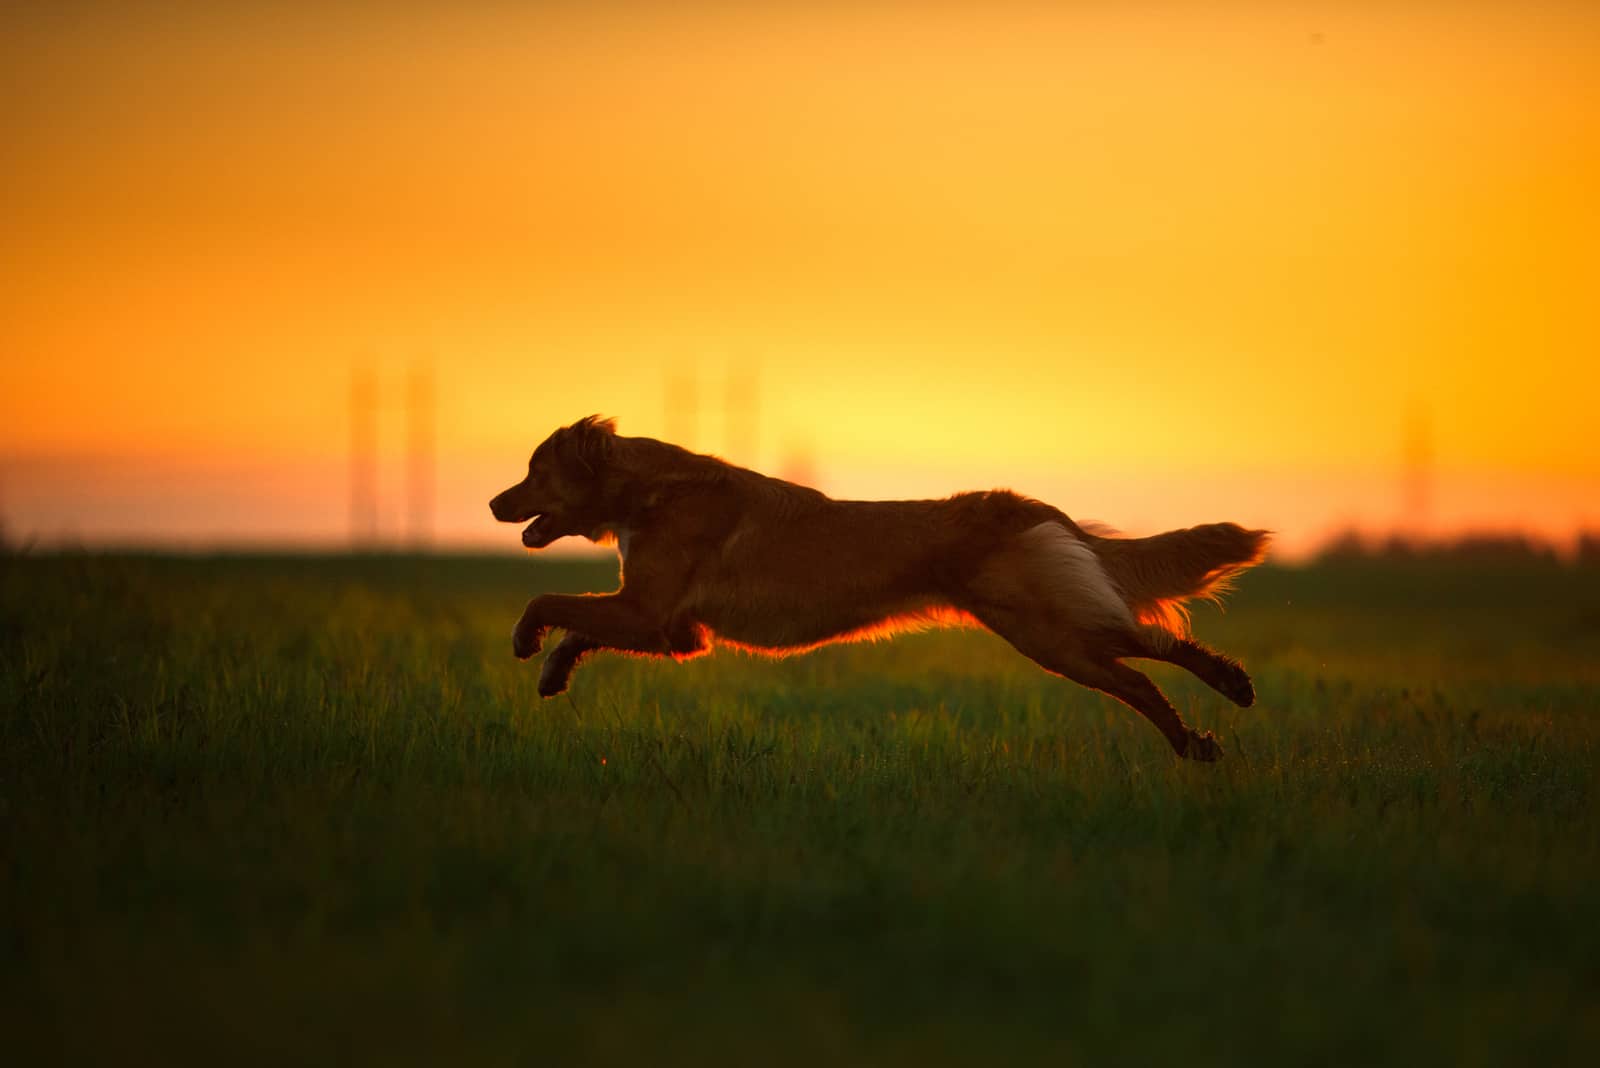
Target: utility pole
[(741, 418), (682, 408), (1416, 477), (363, 458), (420, 412)]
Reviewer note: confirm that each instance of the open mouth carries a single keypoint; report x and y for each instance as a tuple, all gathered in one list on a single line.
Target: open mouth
[(539, 533)]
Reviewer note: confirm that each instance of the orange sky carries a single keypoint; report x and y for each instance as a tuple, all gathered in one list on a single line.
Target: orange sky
[(1157, 263)]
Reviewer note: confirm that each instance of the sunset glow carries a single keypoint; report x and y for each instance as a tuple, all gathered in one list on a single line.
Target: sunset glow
[(1158, 264)]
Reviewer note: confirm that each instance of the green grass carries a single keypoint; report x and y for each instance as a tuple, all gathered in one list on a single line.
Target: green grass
[(281, 810)]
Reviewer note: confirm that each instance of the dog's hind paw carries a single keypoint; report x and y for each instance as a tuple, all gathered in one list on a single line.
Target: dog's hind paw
[(1202, 747)]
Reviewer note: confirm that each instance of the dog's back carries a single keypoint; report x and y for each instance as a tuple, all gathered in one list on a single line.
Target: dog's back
[(794, 572)]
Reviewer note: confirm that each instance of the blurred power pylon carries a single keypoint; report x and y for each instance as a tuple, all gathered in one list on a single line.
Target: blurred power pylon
[(420, 410), (682, 408), (741, 412), (741, 418), (1416, 475), (363, 457)]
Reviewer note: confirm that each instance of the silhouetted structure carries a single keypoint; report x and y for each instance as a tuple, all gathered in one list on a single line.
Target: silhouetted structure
[(1416, 479), (363, 457), (420, 408), (741, 416), (682, 408), (741, 413)]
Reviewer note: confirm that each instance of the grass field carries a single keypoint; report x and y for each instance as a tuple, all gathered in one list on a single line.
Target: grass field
[(296, 810)]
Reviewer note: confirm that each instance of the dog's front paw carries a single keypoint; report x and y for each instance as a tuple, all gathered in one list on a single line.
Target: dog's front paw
[(555, 675), (1202, 747), (526, 640)]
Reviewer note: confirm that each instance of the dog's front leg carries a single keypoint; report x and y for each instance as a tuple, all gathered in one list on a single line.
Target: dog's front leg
[(560, 662), (528, 635), (613, 620)]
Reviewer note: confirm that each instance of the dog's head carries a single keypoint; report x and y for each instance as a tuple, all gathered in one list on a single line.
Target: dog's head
[(562, 490)]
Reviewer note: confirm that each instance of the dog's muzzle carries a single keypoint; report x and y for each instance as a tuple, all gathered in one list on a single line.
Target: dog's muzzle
[(505, 509)]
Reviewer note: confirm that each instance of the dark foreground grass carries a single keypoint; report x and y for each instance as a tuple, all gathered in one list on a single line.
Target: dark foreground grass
[(311, 810)]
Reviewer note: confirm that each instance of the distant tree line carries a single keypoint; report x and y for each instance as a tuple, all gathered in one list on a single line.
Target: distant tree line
[(1482, 548)]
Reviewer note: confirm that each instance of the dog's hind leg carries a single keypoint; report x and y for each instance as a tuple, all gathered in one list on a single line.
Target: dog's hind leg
[(1134, 689), (1047, 595), (1089, 659), (1222, 673)]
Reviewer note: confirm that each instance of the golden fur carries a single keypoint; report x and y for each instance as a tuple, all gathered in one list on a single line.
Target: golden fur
[(717, 554)]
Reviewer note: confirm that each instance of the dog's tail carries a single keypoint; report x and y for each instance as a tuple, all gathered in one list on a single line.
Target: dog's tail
[(1156, 575)]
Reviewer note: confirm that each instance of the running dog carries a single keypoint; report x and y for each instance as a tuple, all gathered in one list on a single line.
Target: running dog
[(717, 554)]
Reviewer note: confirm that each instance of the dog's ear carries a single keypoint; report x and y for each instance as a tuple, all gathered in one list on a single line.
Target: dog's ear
[(587, 443)]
